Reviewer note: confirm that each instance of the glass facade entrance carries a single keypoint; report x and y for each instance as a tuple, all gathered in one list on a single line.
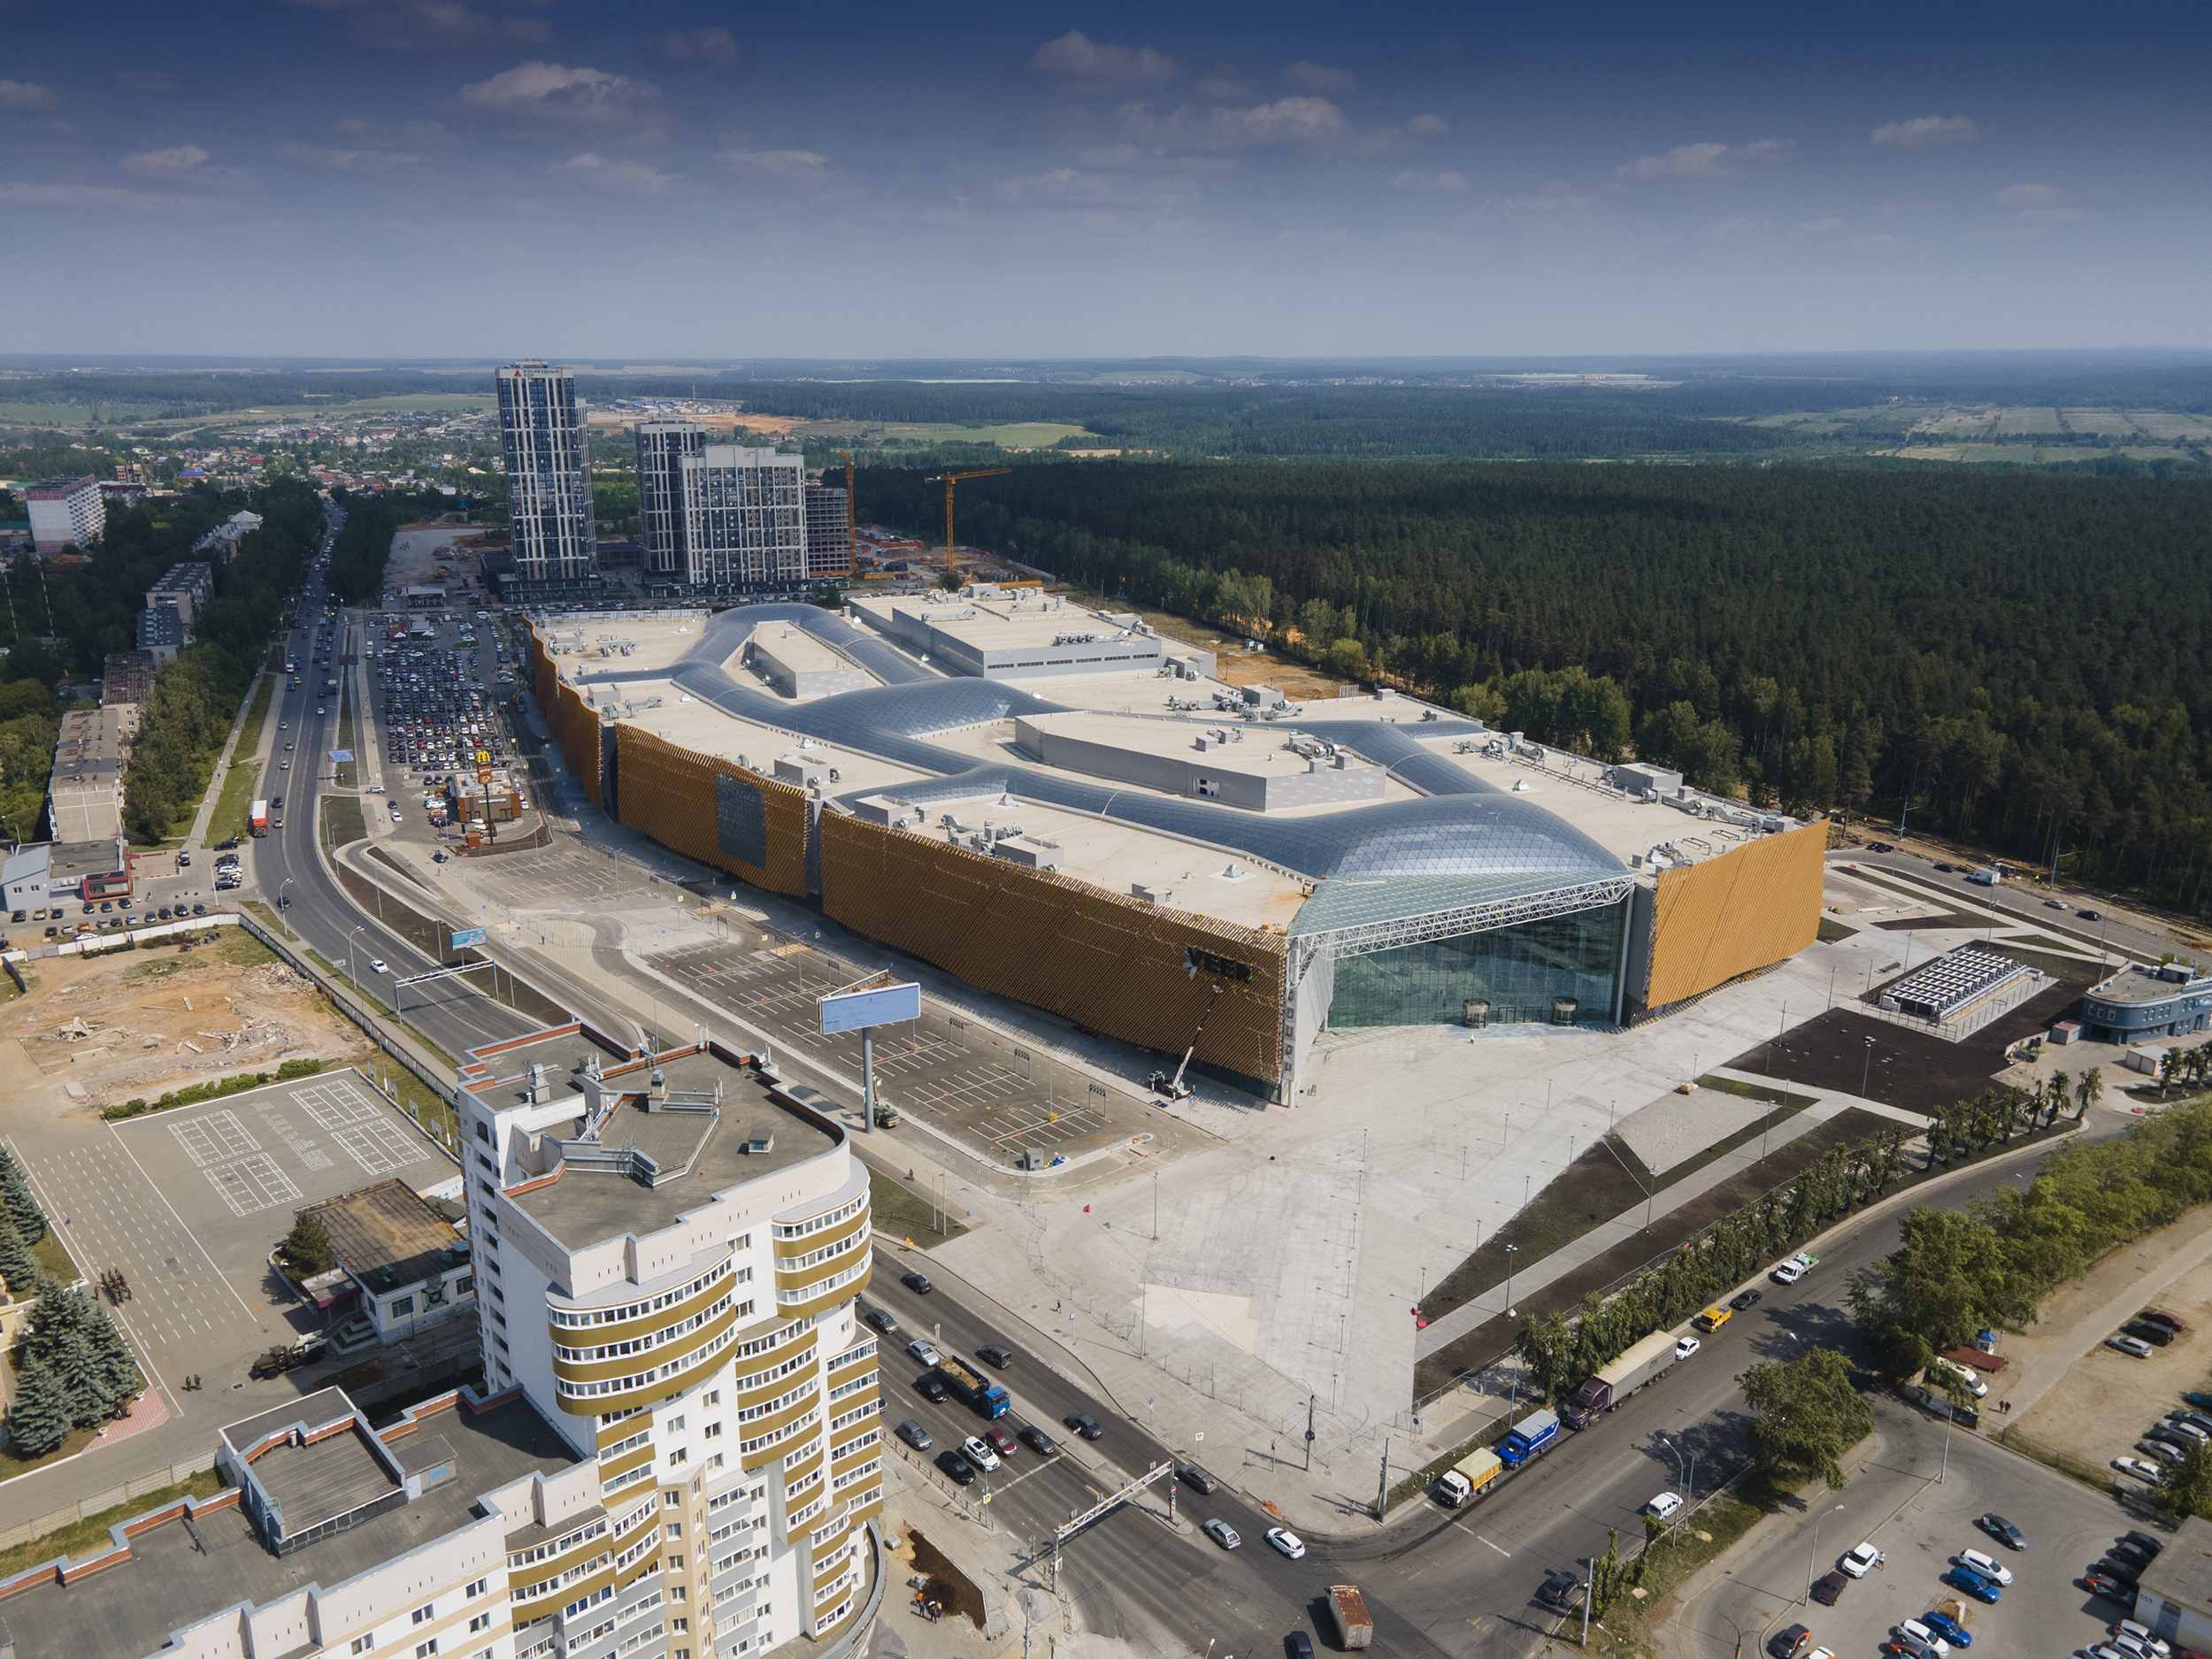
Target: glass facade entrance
[(1517, 970)]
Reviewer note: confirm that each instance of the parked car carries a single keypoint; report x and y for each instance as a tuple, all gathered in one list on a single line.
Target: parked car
[(1829, 1588), (1746, 1299), (1789, 1642), (1968, 1378), (2159, 1315), (1973, 1584), (1919, 1633), (2164, 1451), (2142, 1633), (1860, 1561), (1665, 1506), (2134, 1345), (1686, 1347), (2144, 1540), (1948, 1628), (2003, 1531), (2136, 1468), (1974, 1561), (2105, 1584), (2113, 1567), (2156, 1335)]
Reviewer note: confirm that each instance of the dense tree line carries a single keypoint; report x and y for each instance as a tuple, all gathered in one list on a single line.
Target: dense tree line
[(74, 1371), (363, 542), (2026, 660)]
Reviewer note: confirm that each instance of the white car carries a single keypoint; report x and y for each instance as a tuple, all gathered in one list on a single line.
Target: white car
[(1665, 1506), (1975, 1385), (2165, 1451), (923, 1352), (1788, 1272), (1288, 1542), (376, 965), (1925, 1637), (1985, 1565), (1686, 1347), (396, 817), (1221, 1533), (2142, 1633), (2146, 1472), (2132, 1345), (977, 1451), (1860, 1561)]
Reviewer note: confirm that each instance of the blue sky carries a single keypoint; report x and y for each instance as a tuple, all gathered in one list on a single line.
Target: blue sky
[(437, 178)]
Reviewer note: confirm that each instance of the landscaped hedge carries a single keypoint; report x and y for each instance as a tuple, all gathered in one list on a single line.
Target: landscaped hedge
[(194, 1093)]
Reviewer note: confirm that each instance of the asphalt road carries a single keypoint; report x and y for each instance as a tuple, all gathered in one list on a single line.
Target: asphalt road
[(2117, 931)]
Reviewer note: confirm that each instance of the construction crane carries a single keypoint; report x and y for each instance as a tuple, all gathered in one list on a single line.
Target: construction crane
[(948, 479), (852, 528)]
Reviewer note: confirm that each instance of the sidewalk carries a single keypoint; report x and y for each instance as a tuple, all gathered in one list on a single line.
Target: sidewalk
[(195, 837)]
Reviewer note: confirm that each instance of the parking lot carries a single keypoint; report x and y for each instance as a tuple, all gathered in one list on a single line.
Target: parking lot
[(435, 713), (188, 1203)]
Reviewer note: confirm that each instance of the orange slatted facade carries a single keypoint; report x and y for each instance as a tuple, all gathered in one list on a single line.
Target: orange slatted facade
[(1714, 921), (1114, 963), (577, 723), (669, 793)]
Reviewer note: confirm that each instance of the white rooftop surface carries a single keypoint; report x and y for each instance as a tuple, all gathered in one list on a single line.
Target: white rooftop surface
[(706, 730), (1255, 749), (1624, 828), (660, 639), (794, 647), (1019, 617), (1118, 857)]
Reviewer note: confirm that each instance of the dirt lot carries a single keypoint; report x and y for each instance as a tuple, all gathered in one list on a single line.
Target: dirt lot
[(139, 1022), (2105, 1400)]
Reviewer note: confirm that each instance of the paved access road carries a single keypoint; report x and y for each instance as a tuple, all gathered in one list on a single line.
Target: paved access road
[(2117, 932)]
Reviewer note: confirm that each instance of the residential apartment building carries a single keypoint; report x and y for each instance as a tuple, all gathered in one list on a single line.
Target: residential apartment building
[(661, 446), (669, 1255), (161, 633), (186, 588), (829, 532), (548, 473), (744, 516), (67, 512)]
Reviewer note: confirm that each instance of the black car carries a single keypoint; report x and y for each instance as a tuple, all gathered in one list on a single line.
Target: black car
[(2003, 1531), (1880, 846), (1038, 1442), (1946, 869), (996, 1353), (1192, 1475), (1829, 1588), (2143, 1541), (954, 1464), (276, 804), (2124, 1550), (931, 1385), (916, 1283), (2089, 915), (199, 910), (1558, 1587), (2156, 1335), (224, 847), (2118, 1567), (881, 1320), (1298, 1645), (1083, 1424), (1789, 1642), (1745, 1299), (163, 912)]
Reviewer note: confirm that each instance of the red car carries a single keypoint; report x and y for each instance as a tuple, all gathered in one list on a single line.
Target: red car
[(1829, 1588), (2159, 1315), (1004, 1444)]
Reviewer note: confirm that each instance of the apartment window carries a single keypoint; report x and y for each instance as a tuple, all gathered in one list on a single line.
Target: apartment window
[(743, 1241), (477, 1588), (674, 1425), (482, 1621), (484, 1133), (712, 1432), (673, 1500), (465, 1285), (501, 1343), (499, 1319), (712, 1398), (714, 1463), (400, 1308), (423, 1615), (424, 1649), (481, 1159), (362, 1644), (679, 1626), (678, 1457), (675, 1531)]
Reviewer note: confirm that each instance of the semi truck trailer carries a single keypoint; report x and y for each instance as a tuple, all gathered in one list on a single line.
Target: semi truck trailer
[(1643, 1363)]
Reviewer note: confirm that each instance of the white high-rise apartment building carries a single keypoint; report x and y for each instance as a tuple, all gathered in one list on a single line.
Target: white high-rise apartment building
[(67, 512), (661, 446), (548, 473), (744, 516)]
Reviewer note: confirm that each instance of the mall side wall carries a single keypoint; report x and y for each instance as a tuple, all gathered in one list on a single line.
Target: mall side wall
[(1114, 963), (1714, 921), (672, 794)]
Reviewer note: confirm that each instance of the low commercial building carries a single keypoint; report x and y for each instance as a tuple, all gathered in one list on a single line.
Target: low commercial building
[(409, 1264), (797, 665), (1016, 634), (186, 588), (24, 878), (67, 512), (126, 677), (90, 871), (424, 597), (470, 799), (2148, 1000), (84, 797), (2174, 1595), (221, 544)]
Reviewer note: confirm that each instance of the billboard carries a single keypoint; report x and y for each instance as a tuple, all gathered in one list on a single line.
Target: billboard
[(883, 1005), (467, 936)]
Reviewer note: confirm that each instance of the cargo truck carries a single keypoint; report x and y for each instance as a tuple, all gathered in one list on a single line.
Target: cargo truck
[(1469, 1477), (260, 820), (983, 1395), (1529, 1437), (1349, 1608), (1613, 1383)]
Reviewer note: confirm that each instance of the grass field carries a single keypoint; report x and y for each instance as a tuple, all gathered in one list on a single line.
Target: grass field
[(240, 789)]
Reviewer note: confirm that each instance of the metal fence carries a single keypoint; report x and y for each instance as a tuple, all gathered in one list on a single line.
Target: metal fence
[(100, 1502)]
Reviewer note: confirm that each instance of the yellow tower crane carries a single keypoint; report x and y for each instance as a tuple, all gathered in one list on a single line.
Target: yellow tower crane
[(948, 479), (852, 524)]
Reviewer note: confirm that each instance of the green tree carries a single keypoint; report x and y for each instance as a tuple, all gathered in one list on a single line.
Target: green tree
[(1805, 1415), (39, 1416), (306, 1248), (19, 1202), (2185, 1487), (1949, 1279), (16, 1264)]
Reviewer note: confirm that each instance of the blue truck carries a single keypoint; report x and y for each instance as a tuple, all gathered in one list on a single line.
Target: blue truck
[(985, 1397), (1528, 1438)]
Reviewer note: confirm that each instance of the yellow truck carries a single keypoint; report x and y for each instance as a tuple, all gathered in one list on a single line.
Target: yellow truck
[(1713, 1318), (1467, 1479)]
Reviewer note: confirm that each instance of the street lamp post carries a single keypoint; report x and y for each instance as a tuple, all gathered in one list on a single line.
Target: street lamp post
[(350, 971), (1866, 1070), (1813, 1555), (1511, 1251)]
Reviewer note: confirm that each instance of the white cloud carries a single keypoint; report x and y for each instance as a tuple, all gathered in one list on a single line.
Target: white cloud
[(431, 26), (1284, 121), (775, 164), (1062, 184), (22, 95), (1428, 180), (165, 164), (2027, 195), (1706, 161), (92, 195), (1108, 156), (348, 160), (696, 46), (1319, 78), (1078, 57), (630, 177), (1429, 125), (556, 94), (2054, 216), (1924, 130), (1224, 88)]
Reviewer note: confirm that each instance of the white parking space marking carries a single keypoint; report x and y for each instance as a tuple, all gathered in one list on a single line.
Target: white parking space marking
[(336, 1105), (214, 1139), (253, 1184), (380, 1146)]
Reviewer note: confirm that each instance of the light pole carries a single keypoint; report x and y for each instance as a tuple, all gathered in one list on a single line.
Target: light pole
[(350, 972), (1690, 1484), (1511, 1251), (1813, 1555), (1867, 1070)]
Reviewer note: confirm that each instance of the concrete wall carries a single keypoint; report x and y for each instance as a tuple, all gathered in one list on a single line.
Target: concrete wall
[(1730, 915)]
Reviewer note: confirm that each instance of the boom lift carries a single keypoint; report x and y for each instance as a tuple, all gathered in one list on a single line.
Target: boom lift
[(1174, 1087)]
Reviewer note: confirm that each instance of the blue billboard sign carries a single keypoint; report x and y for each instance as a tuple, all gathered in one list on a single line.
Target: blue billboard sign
[(467, 936), (882, 1005)]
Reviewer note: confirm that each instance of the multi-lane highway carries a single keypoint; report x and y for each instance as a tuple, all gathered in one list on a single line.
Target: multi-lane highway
[(1459, 1582)]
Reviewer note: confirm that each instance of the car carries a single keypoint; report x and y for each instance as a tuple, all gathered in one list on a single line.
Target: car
[(1558, 1586), (2003, 1531), (2105, 1584), (921, 1350), (1744, 1299), (2165, 1451), (1787, 1272), (2159, 1315), (1948, 1628), (1039, 1442), (1195, 1477), (199, 910), (915, 1435), (2121, 1647), (1829, 1588), (106, 908), (996, 1353), (2167, 1434), (276, 804), (2116, 1567), (919, 1285), (2156, 1335), (318, 710), (1880, 847), (881, 1319), (1083, 1424), (977, 1451), (2054, 904), (1789, 1642), (396, 817), (1974, 1561), (2089, 916), (1000, 1441), (1288, 1542), (956, 1466), (1298, 1645), (2193, 1397), (376, 965), (1968, 1378), (2131, 1345), (1686, 1347), (1221, 1533), (1665, 1506), (1919, 1633), (227, 845), (1862, 1561), (1980, 1588), (2142, 1633), (2143, 1541), (163, 913), (2133, 1553), (2183, 1423), (1946, 869), (1905, 1648), (2196, 1418)]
